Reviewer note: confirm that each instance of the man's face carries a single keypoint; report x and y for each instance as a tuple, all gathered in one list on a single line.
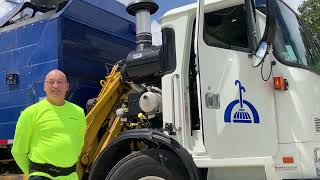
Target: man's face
[(56, 85)]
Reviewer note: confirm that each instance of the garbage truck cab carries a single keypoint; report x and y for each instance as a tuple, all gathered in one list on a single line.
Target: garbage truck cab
[(240, 88), (256, 81)]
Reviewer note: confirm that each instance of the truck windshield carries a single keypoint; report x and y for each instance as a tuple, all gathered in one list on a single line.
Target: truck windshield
[(293, 43)]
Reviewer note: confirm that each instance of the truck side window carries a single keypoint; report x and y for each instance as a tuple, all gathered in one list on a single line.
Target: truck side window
[(226, 28), (293, 42)]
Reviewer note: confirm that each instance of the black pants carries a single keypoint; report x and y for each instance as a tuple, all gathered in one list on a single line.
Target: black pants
[(38, 178)]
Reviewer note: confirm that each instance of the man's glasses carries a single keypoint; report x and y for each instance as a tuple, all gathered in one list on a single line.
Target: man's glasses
[(52, 82)]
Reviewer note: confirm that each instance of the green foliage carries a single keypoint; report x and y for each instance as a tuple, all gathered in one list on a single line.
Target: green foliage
[(310, 14)]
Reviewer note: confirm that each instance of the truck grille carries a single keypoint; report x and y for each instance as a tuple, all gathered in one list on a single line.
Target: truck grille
[(317, 124)]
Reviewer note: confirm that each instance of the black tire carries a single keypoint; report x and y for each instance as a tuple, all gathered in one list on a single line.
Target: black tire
[(155, 163)]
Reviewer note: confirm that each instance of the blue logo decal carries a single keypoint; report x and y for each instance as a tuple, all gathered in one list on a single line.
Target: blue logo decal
[(241, 115)]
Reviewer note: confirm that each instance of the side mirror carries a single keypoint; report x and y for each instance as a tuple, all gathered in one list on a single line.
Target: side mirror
[(259, 54), (268, 36)]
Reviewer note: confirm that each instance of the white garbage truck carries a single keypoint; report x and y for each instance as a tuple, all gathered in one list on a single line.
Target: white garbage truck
[(231, 94)]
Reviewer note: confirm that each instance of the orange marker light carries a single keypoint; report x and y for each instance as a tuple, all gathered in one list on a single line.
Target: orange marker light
[(287, 160), (280, 83)]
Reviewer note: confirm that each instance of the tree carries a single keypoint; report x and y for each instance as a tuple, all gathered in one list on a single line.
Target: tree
[(310, 14)]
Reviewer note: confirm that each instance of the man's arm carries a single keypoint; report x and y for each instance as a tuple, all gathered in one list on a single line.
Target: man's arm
[(21, 142)]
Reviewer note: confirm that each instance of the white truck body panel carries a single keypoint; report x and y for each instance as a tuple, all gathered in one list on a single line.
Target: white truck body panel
[(287, 120)]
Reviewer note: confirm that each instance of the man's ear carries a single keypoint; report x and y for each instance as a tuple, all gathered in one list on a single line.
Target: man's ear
[(68, 86), (44, 86)]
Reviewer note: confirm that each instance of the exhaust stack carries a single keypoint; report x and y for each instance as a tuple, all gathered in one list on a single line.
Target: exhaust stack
[(146, 61), (142, 9)]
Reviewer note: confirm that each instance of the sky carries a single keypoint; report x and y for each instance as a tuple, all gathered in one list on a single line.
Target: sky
[(166, 5)]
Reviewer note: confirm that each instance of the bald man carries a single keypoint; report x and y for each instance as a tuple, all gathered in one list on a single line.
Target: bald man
[(50, 134)]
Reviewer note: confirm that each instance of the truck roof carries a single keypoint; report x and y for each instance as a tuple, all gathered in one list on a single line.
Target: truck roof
[(218, 4)]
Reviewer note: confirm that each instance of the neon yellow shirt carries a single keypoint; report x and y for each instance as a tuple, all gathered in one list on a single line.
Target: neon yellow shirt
[(51, 134)]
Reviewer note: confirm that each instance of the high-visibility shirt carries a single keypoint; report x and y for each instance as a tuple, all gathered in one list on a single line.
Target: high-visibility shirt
[(51, 134)]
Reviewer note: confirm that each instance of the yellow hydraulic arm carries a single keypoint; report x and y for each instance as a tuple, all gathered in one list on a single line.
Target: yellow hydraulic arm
[(102, 117)]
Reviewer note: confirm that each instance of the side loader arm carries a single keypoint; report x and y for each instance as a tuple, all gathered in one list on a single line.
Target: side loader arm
[(102, 124)]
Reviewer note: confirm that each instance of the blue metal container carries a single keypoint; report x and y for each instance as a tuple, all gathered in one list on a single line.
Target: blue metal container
[(84, 40)]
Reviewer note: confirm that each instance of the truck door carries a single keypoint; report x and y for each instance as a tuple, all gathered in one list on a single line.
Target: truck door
[(237, 105)]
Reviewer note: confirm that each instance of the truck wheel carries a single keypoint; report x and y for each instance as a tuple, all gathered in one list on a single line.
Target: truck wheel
[(155, 164)]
